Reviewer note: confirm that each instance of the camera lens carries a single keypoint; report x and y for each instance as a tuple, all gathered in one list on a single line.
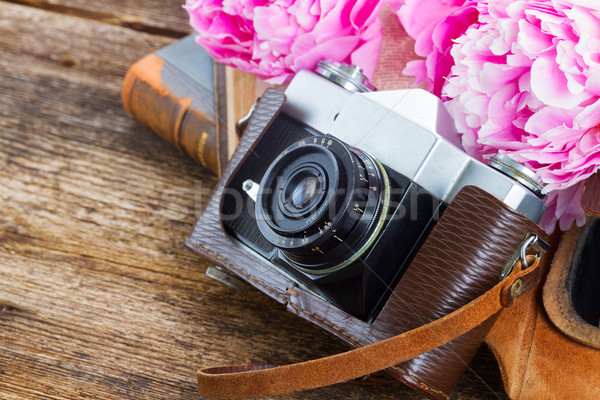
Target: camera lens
[(322, 203), (302, 191)]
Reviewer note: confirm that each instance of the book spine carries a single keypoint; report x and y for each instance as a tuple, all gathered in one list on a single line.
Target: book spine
[(154, 102)]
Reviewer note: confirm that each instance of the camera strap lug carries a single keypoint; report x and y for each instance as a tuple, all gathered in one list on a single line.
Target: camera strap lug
[(530, 241), (241, 125), (251, 189)]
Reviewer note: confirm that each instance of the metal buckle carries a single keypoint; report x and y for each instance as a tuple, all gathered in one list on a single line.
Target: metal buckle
[(531, 240)]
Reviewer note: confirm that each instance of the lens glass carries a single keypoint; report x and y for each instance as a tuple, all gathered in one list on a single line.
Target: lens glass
[(302, 191)]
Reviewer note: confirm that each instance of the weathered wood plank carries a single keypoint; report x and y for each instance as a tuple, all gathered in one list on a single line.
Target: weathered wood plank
[(98, 296), (163, 17)]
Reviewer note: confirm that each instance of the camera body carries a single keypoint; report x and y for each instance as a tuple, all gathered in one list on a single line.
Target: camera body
[(351, 184)]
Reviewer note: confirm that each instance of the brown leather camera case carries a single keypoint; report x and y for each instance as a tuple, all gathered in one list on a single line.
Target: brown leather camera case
[(460, 260)]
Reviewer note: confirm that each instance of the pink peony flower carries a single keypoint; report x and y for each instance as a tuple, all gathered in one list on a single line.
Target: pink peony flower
[(434, 24), (273, 39), (526, 82)]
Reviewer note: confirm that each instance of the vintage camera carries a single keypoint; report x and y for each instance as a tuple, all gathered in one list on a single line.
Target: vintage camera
[(347, 183)]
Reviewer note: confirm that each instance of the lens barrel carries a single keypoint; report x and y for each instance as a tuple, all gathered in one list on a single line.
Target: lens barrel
[(322, 203)]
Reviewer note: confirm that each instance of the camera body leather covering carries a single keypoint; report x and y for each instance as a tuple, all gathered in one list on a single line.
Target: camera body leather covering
[(460, 260)]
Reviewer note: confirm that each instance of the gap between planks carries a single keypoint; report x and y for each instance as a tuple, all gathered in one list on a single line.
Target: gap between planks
[(112, 17)]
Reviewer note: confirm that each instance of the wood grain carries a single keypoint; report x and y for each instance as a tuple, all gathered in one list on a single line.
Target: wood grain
[(99, 299), (241, 95), (163, 17)]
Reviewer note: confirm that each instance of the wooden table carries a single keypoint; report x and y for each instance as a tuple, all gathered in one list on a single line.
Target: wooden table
[(98, 296)]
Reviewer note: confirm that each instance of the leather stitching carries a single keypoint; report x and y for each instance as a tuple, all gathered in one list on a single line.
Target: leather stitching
[(302, 310), (241, 271)]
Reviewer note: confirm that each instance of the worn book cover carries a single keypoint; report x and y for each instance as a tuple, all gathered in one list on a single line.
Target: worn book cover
[(189, 100)]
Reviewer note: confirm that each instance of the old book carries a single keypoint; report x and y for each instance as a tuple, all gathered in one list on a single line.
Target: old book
[(189, 100)]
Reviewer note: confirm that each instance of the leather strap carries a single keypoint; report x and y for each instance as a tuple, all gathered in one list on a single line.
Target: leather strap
[(250, 381)]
